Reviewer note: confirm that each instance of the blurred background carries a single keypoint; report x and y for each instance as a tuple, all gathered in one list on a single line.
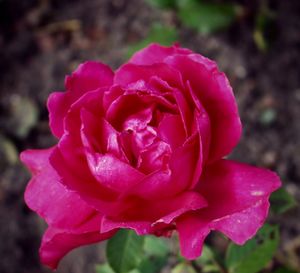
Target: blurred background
[(256, 43)]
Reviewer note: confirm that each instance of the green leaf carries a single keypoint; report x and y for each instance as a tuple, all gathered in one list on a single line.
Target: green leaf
[(183, 268), (125, 251), (255, 254), (204, 16), (207, 256), (282, 201), (104, 268), (152, 265), (135, 271), (155, 246), (162, 3), (207, 260), (158, 34)]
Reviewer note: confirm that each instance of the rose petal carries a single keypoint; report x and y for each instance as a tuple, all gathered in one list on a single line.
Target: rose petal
[(201, 123), (237, 196), (69, 160), (88, 76), (48, 197), (213, 90), (186, 164), (152, 215), (58, 106), (92, 101), (176, 206), (171, 130), (140, 227), (57, 243), (242, 226), (184, 110), (231, 187), (171, 181), (155, 53), (192, 232), (154, 158), (129, 104), (98, 136), (239, 227), (113, 173), (131, 73), (139, 120)]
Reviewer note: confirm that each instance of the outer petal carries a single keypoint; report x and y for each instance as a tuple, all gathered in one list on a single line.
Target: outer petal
[(214, 92), (57, 243), (192, 232), (237, 196), (70, 163), (232, 187), (92, 101), (88, 76), (48, 197), (154, 53), (241, 226), (132, 73), (151, 216)]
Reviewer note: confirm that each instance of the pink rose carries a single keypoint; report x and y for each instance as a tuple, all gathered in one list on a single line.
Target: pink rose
[(142, 148)]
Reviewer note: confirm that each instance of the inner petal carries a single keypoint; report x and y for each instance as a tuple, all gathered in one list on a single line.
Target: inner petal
[(154, 158)]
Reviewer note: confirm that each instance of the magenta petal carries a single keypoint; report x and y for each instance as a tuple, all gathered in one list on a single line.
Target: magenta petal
[(131, 73), (185, 111), (153, 215), (92, 101), (169, 182), (140, 227), (57, 106), (155, 53), (113, 173), (88, 76), (201, 123), (237, 196), (192, 232), (51, 200), (242, 226), (213, 90), (171, 130), (186, 164), (139, 120), (176, 206), (135, 102), (74, 174), (154, 158), (239, 227), (98, 136), (57, 243), (231, 187), (154, 186)]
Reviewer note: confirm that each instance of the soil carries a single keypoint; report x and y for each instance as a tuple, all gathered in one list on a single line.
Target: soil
[(42, 41)]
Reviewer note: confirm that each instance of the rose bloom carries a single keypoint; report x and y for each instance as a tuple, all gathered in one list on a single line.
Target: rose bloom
[(142, 148)]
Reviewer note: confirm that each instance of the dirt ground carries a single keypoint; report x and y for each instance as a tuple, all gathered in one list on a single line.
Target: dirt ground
[(42, 41)]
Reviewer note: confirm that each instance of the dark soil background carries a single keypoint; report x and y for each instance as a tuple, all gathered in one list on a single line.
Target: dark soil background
[(42, 41)]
